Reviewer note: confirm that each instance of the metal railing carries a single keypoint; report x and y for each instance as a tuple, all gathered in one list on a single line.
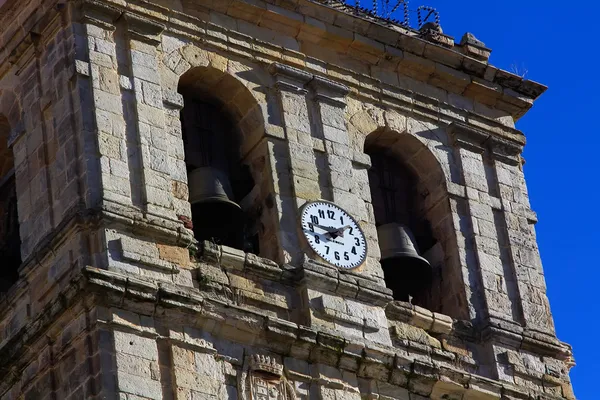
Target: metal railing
[(395, 12)]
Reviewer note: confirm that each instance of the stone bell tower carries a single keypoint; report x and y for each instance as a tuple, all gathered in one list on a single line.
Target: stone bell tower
[(155, 161)]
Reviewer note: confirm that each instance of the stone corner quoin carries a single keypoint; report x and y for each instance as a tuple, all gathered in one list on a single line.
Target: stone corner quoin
[(155, 161)]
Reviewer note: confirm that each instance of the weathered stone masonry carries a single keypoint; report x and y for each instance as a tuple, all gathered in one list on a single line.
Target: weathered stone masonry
[(113, 298)]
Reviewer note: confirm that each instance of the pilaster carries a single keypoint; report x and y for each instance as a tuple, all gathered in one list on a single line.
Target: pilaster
[(152, 164), (298, 144), (346, 168)]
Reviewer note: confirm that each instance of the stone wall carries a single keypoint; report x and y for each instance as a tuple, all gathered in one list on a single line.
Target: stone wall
[(115, 298)]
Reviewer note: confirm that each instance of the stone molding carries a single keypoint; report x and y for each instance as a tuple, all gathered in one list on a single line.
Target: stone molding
[(289, 78), (79, 218), (329, 311), (143, 29), (369, 360), (374, 361), (172, 99), (479, 141), (329, 91), (418, 316), (343, 283), (100, 13), (315, 275)]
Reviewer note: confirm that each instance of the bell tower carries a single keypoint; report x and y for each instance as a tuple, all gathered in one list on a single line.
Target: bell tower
[(264, 199)]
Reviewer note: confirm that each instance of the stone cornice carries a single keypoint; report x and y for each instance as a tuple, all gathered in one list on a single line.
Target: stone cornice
[(298, 80), (364, 87), (361, 86), (408, 40), (328, 91), (513, 93)]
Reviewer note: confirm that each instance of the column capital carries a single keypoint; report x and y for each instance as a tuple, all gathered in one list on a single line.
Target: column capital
[(329, 91), (99, 13), (143, 29), (478, 141), (290, 79)]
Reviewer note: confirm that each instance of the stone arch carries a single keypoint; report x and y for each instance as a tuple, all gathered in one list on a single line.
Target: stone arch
[(427, 208), (235, 99), (208, 83), (240, 87)]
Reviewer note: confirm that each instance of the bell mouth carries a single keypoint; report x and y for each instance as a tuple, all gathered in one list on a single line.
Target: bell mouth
[(218, 199), (406, 258), (406, 276), (215, 216), (219, 221), (405, 271)]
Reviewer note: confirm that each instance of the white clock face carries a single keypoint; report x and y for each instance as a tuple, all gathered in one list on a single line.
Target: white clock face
[(333, 234)]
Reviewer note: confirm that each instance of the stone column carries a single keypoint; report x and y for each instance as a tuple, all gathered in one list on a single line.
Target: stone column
[(130, 155)]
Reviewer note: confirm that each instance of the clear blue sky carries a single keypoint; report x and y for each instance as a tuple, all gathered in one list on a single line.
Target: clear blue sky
[(557, 43)]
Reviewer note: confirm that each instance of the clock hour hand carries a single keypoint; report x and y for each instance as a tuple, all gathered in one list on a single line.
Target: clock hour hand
[(340, 231), (325, 228), (332, 232)]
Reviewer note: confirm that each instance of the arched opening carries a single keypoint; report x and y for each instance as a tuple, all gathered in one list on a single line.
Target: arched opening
[(220, 119), (10, 240), (413, 220)]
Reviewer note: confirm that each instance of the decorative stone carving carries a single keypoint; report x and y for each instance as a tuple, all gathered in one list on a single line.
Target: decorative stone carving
[(262, 379)]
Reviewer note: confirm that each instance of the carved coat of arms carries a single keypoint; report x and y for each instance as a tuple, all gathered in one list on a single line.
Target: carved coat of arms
[(263, 379)]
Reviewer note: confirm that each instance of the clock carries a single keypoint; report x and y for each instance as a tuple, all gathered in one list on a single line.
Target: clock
[(333, 234)]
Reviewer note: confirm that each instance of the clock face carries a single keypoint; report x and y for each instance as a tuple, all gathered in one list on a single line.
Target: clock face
[(333, 234)]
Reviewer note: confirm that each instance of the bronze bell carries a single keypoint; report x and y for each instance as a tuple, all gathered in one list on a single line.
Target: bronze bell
[(406, 272), (216, 217)]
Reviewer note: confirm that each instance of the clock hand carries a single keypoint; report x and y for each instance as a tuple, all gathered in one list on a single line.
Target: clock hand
[(340, 231), (325, 228)]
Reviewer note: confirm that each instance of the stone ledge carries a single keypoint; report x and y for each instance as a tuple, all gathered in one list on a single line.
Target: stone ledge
[(236, 260), (418, 316), (370, 361), (311, 273), (135, 220), (344, 283)]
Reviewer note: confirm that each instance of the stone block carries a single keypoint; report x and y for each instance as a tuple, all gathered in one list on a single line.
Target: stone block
[(143, 387), (175, 254), (132, 344)]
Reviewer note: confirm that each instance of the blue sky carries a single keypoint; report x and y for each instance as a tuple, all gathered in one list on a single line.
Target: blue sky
[(557, 44)]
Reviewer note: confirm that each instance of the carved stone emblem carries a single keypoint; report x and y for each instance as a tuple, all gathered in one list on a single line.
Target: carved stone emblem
[(263, 379)]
